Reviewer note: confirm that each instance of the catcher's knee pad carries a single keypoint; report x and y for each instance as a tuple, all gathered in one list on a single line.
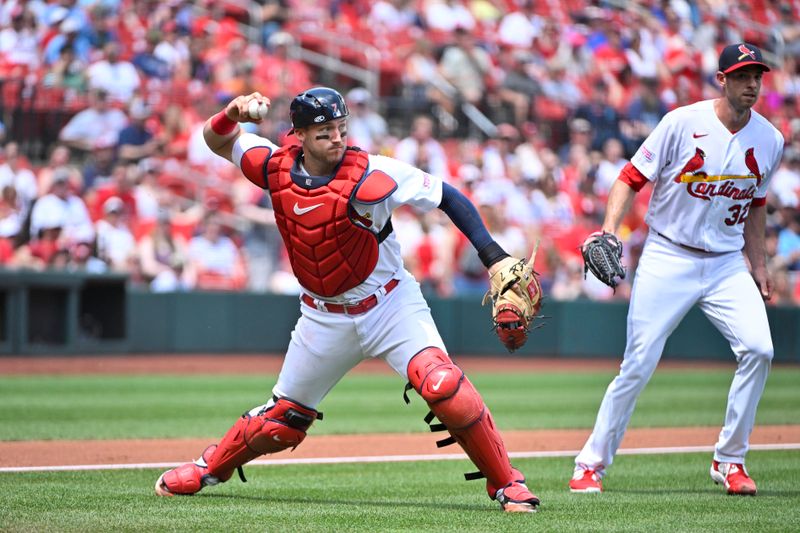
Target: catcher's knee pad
[(443, 385), (281, 426)]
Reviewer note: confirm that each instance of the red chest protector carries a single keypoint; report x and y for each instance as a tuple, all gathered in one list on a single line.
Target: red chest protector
[(329, 253)]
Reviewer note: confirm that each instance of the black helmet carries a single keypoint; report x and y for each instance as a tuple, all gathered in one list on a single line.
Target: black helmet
[(315, 106)]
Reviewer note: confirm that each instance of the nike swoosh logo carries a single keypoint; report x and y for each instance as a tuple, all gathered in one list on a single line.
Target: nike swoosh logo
[(303, 210), (698, 135), (439, 383)]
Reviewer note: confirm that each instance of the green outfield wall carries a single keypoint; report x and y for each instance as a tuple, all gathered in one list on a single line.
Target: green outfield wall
[(85, 314)]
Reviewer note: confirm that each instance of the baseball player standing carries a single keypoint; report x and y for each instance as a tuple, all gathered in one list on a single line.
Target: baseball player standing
[(333, 206), (710, 164)]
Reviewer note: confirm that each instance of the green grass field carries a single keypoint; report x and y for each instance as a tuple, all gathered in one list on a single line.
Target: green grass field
[(643, 493)]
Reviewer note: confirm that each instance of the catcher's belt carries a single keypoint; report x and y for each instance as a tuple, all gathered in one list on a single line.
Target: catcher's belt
[(356, 308)]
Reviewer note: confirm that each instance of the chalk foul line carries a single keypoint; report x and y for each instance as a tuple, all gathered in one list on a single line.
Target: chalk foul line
[(395, 458)]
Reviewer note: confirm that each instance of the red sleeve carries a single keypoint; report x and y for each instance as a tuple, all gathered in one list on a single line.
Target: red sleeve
[(631, 176), (758, 202), (254, 165)]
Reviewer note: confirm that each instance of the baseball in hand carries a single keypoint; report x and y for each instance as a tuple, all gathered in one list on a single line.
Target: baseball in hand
[(257, 110)]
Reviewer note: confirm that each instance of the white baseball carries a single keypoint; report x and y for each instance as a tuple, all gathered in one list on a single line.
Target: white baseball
[(257, 110)]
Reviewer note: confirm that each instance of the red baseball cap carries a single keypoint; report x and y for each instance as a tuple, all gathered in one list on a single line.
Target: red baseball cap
[(736, 56)]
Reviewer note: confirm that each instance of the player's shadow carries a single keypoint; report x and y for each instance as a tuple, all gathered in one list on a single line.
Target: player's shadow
[(373, 503)]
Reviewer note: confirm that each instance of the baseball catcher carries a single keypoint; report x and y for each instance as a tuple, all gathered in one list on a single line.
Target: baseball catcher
[(516, 297), (602, 254)]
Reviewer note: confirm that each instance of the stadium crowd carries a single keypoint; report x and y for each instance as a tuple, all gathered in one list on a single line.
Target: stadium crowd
[(102, 104)]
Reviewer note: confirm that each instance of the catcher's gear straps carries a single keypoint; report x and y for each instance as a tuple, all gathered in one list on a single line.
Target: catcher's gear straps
[(460, 408), (281, 426)]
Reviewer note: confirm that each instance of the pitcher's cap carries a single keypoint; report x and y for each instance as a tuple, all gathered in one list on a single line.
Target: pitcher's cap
[(736, 56)]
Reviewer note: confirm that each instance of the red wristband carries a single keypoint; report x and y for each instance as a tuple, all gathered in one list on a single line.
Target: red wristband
[(221, 124)]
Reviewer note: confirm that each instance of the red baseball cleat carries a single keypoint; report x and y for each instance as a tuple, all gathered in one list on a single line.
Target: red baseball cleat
[(187, 479), (734, 477), (585, 480)]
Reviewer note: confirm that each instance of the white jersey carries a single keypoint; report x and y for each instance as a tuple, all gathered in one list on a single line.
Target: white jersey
[(705, 177), (415, 188)]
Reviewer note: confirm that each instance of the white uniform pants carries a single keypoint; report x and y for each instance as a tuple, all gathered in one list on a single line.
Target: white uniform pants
[(325, 346), (668, 282)]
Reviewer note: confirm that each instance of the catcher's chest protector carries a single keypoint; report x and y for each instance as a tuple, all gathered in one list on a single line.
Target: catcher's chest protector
[(328, 252)]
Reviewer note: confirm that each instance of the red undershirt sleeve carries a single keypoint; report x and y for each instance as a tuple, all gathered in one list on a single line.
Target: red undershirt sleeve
[(631, 176)]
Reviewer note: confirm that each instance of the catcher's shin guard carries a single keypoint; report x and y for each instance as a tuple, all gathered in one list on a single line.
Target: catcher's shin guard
[(281, 426), (460, 408)]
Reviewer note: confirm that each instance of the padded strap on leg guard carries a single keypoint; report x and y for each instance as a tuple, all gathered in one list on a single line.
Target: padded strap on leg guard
[(457, 404), (279, 427)]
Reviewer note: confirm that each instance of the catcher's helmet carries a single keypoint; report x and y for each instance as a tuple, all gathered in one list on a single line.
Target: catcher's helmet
[(315, 106)]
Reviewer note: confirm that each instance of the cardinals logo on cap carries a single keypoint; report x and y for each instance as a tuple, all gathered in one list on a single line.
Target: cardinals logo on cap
[(746, 52)]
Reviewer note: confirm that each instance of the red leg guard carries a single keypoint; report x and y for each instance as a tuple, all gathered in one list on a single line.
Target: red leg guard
[(282, 426), (459, 406)]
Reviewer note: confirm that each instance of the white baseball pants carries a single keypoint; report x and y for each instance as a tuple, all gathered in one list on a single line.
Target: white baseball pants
[(325, 346), (668, 282)]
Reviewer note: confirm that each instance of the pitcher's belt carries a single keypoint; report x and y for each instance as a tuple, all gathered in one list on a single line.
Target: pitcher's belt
[(685, 246), (350, 309)]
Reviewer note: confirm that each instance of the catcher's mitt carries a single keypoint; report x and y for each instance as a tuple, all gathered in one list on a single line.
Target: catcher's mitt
[(602, 254), (516, 297)]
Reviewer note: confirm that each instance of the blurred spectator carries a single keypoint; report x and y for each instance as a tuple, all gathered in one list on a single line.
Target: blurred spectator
[(146, 60), (172, 50), (785, 183), (11, 215), (393, 15), (273, 16), (605, 120), (61, 208), (285, 75), (70, 37), (520, 26), (121, 186), (447, 15), (612, 162), (98, 124), (117, 77), (147, 190), (644, 112), (788, 250), (162, 254), (366, 128), (59, 158), (550, 207), (83, 255), (642, 54), (99, 166), (67, 72), (788, 27), (15, 171), (261, 242), (136, 140), (517, 88), (176, 129), (19, 41), (467, 67), (568, 281), (214, 261), (580, 134), (419, 76), (115, 243), (420, 149)]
